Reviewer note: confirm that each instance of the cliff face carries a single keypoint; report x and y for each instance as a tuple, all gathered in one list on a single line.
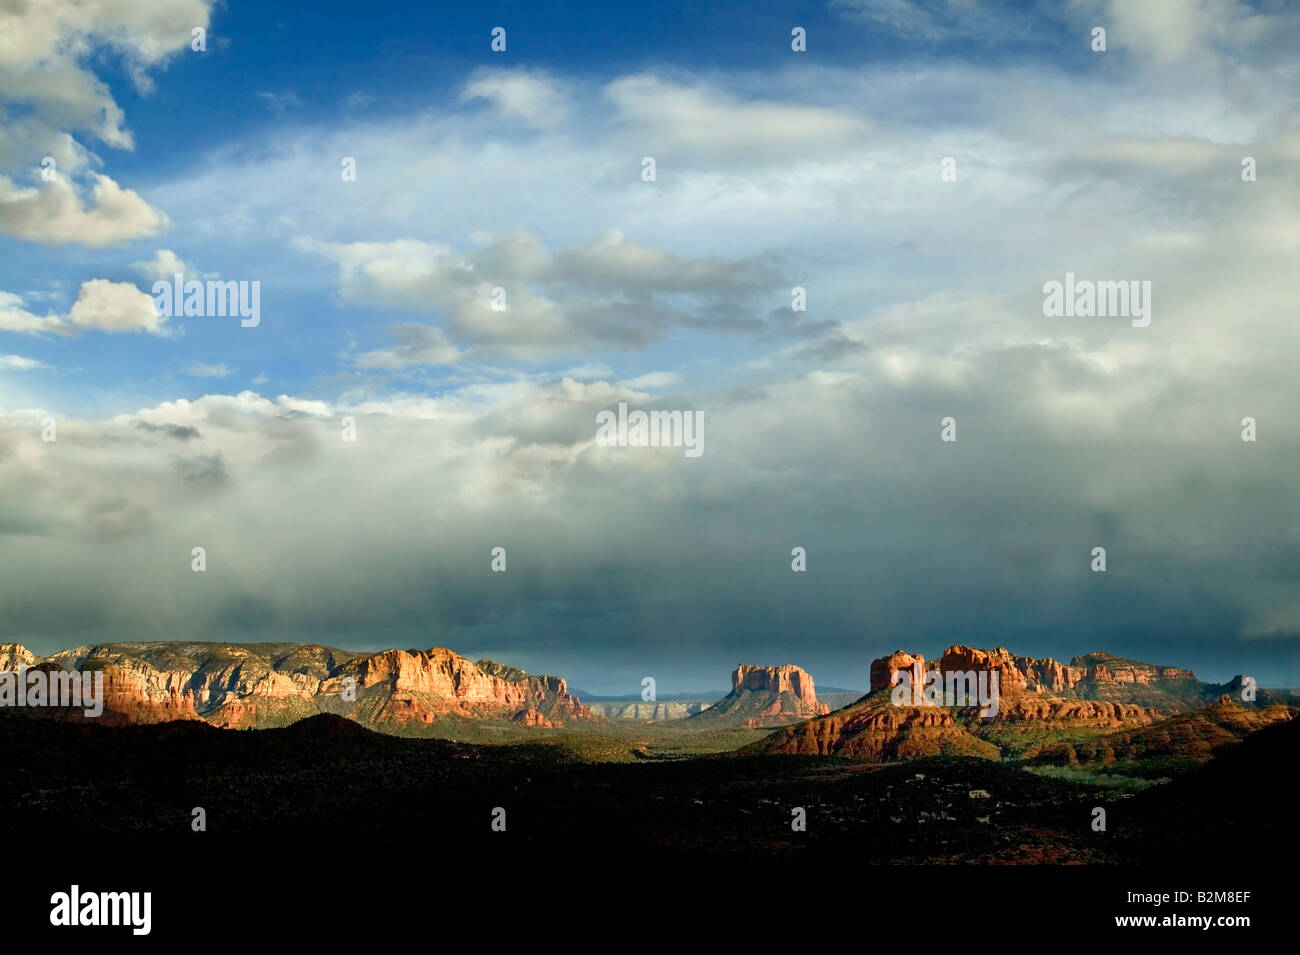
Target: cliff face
[(1120, 670), (133, 691), (14, 655), (227, 684), (414, 686), (1081, 676), (780, 679), (259, 685), (1096, 676)]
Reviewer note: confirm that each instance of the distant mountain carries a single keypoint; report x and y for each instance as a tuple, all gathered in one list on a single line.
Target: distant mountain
[(706, 695), (642, 710), (270, 684), (673, 706), (838, 699), (766, 696)]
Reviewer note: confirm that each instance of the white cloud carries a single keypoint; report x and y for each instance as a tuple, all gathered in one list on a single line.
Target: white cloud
[(652, 379), (1173, 31), (699, 120), (58, 214), (166, 264), (1160, 33), (537, 98), (115, 307), (19, 363), (64, 31), (420, 345), (14, 317), (588, 371), (45, 80), (101, 305)]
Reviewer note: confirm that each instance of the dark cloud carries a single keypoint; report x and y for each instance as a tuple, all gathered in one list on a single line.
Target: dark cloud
[(179, 432), (205, 470)]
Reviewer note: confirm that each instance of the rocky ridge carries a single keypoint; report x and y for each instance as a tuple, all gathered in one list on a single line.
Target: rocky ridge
[(261, 685)]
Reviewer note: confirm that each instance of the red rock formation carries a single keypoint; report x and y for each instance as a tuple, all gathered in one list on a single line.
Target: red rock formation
[(1036, 696), (877, 730), (1016, 674), (531, 717), (1098, 692), (14, 655), (1193, 737), (765, 696), (445, 683), (884, 670), (135, 692), (1093, 713), (778, 680), (1145, 675), (1096, 673), (259, 685)]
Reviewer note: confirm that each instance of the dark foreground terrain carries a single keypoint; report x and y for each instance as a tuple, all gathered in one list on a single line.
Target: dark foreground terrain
[(327, 778), (327, 801)]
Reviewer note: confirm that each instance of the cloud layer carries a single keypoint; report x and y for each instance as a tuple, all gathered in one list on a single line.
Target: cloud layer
[(476, 423)]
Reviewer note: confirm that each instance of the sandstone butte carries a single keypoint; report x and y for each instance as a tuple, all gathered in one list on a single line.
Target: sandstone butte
[(256, 685), (766, 695), (779, 679)]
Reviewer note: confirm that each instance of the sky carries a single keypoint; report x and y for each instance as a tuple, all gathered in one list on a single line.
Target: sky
[(919, 170)]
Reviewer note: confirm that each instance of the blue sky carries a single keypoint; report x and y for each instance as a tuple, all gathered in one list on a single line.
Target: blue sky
[(270, 74), (523, 170)]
